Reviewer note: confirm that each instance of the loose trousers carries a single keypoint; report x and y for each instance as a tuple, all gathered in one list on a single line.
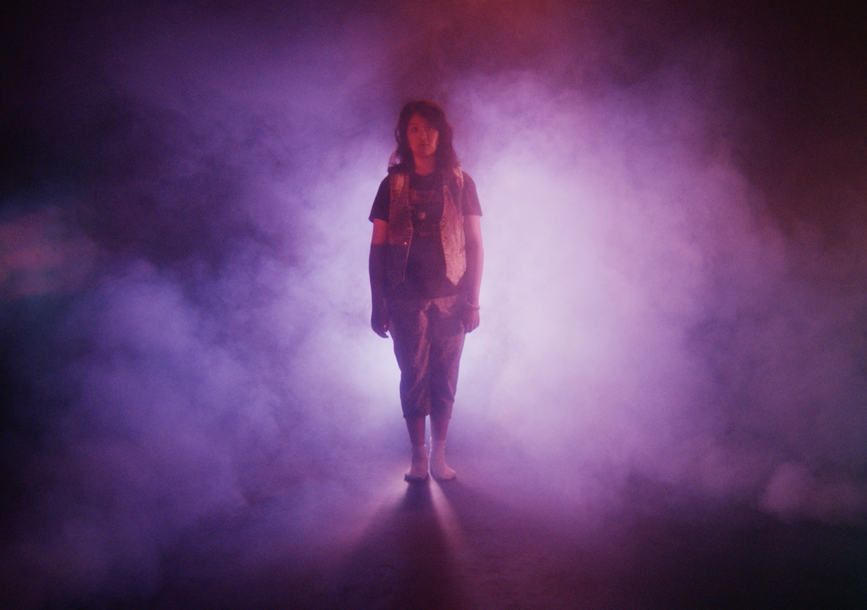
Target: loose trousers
[(428, 340)]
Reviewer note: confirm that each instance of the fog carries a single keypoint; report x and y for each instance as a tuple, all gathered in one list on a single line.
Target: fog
[(673, 290)]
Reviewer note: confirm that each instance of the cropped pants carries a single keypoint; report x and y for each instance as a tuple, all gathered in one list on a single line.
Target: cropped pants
[(428, 340)]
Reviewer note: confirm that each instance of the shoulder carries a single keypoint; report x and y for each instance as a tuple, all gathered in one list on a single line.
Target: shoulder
[(457, 177), (467, 179), (383, 186), (468, 185), (471, 205), (397, 176)]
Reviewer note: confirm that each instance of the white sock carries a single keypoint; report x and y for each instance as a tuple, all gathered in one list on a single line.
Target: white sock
[(418, 469), (438, 467)]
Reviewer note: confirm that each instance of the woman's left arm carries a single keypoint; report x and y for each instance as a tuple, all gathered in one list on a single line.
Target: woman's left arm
[(475, 261)]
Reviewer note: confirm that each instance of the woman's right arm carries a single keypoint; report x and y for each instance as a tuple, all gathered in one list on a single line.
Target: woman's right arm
[(376, 265)]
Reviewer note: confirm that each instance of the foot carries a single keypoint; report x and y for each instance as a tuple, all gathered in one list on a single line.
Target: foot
[(418, 470), (438, 467), (442, 472)]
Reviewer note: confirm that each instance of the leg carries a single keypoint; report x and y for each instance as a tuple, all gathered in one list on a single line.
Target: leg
[(418, 470), (408, 325), (439, 428), (445, 362), (415, 427)]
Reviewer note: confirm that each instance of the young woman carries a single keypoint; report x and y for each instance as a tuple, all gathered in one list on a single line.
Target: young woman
[(425, 272)]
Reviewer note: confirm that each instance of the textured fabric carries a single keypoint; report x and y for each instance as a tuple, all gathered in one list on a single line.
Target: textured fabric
[(425, 271), (400, 229), (425, 275), (469, 199), (428, 341), (452, 230)]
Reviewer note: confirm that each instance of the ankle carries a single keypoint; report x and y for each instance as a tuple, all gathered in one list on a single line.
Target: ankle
[(419, 467)]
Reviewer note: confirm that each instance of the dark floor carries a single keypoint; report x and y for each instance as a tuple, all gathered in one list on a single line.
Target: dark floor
[(453, 546), (468, 544)]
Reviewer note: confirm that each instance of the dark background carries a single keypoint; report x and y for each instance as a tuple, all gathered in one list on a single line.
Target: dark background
[(663, 407)]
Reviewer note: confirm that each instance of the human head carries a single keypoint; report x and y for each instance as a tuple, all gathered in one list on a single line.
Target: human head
[(445, 153)]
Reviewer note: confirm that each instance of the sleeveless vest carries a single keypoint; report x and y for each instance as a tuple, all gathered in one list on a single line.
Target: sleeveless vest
[(400, 227)]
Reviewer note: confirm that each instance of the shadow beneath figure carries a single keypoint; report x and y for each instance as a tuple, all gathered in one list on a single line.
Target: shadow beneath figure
[(403, 561)]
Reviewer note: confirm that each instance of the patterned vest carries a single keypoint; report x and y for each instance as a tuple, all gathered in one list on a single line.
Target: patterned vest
[(451, 227)]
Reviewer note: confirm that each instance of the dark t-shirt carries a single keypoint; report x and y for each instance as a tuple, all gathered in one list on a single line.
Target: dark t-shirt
[(426, 266)]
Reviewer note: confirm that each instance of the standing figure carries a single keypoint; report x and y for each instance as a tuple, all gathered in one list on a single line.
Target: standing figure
[(425, 272)]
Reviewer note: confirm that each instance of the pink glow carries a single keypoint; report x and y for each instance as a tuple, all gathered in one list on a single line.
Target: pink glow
[(672, 304)]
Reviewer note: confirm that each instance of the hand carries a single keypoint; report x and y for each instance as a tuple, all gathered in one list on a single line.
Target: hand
[(470, 319), (379, 320)]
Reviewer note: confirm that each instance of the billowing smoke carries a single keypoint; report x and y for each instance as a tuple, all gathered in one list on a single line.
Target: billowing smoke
[(183, 272)]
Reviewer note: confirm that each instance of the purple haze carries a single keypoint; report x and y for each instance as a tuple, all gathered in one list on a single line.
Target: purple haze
[(183, 271)]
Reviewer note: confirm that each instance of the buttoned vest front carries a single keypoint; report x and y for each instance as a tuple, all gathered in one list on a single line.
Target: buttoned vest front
[(451, 227)]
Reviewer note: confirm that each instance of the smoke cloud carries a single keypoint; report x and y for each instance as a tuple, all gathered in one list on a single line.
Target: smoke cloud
[(673, 288)]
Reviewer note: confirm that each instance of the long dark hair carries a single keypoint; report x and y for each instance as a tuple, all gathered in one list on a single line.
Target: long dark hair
[(401, 158)]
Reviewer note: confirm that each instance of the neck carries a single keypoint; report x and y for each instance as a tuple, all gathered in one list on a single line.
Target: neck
[(424, 167)]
